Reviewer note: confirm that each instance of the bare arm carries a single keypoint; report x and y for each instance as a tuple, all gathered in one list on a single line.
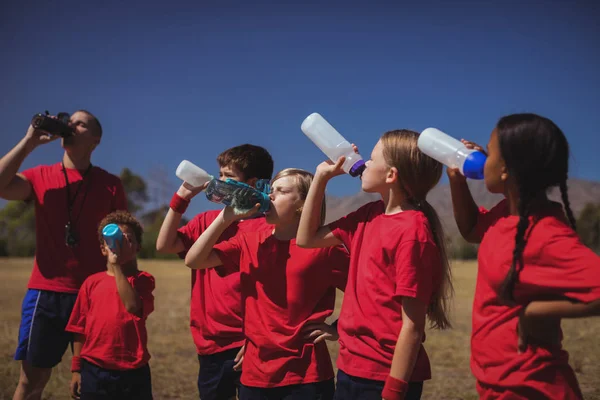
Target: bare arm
[(562, 309), (168, 241), (78, 341), (201, 254), (410, 338), (310, 232), (465, 208), (129, 296)]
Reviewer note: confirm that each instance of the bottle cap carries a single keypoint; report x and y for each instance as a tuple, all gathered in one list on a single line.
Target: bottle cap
[(473, 165), (111, 230), (358, 168)]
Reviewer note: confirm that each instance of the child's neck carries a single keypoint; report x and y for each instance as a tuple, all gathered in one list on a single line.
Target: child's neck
[(395, 202), (286, 232), (128, 269), (539, 202)]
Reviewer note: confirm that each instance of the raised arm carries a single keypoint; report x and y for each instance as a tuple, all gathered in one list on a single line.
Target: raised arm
[(310, 232), (14, 186), (201, 254), (168, 240)]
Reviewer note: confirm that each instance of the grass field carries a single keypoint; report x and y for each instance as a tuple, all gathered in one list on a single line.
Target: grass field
[(174, 363)]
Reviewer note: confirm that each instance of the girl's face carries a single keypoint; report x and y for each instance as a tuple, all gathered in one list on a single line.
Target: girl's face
[(375, 176), (286, 201), (494, 171)]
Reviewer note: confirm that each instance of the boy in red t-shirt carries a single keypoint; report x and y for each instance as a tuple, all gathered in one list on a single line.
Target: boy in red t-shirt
[(110, 358), (399, 273), (215, 304), (286, 292), (532, 268)]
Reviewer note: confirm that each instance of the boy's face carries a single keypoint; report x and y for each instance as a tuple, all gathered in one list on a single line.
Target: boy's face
[(232, 172), (128, 249)]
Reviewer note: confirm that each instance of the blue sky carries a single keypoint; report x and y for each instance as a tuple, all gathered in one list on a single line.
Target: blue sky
[(186, 80)]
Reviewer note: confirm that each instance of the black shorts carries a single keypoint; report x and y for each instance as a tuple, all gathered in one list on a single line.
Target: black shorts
[(216, 378), (42, 336), (106, 384), (354, 388), (307, 391)]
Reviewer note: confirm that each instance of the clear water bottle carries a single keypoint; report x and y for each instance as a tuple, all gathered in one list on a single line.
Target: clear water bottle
[(192, 174), (112, 235), (452, 153), (326, 138), (240, 196)]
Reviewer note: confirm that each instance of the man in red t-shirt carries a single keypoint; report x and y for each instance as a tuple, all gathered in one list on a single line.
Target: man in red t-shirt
[(215, 305), (71, 198), (111, 356)]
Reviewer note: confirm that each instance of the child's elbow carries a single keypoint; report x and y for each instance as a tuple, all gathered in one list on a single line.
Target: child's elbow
[(134, 309)]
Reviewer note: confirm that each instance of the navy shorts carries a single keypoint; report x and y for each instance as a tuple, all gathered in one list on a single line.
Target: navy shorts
[(42, 336), (307, 391), (105, 384), (354, 388), (216, 378)]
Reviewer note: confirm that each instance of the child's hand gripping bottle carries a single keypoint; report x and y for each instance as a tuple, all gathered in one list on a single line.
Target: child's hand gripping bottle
[(332, 143), (452, 153), (112, 234), (240, 196), (192, 174)]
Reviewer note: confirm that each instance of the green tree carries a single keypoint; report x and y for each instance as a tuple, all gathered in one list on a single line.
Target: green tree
[(136, 190), (588, 226), (17, 229)]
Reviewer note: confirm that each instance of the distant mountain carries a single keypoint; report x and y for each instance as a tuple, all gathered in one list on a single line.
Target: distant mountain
[(581, 192)]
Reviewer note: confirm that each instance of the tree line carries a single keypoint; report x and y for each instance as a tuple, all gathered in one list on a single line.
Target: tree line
[(17, 220)]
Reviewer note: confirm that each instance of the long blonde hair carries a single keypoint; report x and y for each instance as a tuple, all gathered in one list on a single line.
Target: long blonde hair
[(417, 175), (303, 180)]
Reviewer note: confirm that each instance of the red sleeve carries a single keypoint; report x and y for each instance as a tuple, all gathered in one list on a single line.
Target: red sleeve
[(144, 284), (564, 267), (76, 322), (417, 267), (340, 260), (190, 232), (230, 253), (33, 175), (344, 228), (120, 199), (486, 218)]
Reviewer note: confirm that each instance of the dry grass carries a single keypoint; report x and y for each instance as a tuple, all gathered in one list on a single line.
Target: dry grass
[(174, 363)]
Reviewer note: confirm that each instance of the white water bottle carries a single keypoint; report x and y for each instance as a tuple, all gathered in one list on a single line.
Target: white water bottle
[(192, 174), (332, 143), (452, 153)]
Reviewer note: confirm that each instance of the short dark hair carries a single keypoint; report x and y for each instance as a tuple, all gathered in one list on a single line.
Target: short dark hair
[(121, 217), (94, 120), (252, 161)]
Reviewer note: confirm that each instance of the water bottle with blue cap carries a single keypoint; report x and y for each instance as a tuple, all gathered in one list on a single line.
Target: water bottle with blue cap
[(452, 153), (112, 235), (240, 196)]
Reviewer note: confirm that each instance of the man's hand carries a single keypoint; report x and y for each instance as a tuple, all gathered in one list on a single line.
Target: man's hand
[(75, 386), (35, 137)]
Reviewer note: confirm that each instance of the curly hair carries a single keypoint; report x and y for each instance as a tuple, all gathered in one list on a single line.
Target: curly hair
[(121, 217)]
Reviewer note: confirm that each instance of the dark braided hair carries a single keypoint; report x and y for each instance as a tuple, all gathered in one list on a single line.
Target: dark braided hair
[(536, 154)]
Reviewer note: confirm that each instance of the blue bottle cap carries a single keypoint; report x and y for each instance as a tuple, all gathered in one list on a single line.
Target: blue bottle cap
[(358, 168), (473, 166), (112, 231)]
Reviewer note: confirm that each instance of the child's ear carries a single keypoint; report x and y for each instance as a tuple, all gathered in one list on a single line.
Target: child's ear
[(392, 175), (503, 173), (103, 250)]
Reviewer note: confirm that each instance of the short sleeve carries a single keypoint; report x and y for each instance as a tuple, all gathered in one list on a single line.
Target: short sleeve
[(80, 310), (417, 269), (487, 218), (562, 267), (144, 285), (339, 258), (230, 253), (345, 227), (33, 175)]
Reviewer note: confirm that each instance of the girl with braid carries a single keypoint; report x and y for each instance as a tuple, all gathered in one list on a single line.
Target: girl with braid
[(533, 270)]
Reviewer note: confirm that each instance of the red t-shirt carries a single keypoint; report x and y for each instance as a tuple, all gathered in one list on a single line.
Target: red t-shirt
[(284, 287), (57, 267), (216, 304), (114, 338), (391, 257), (555, 264)]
